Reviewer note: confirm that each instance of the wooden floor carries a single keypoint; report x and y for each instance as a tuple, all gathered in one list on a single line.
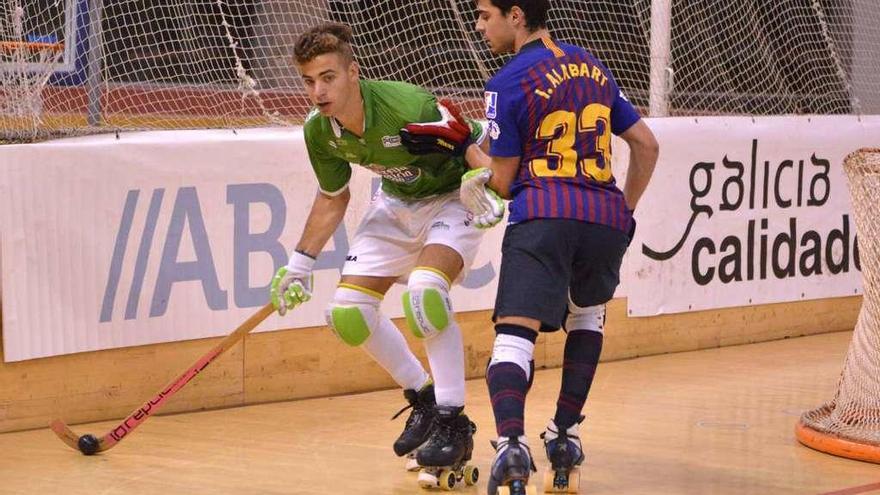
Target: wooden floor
[(706, 422)]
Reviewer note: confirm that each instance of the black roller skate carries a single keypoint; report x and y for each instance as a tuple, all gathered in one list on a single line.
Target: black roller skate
[(565, 454), (444, 456), (511, 467), (418, 426)]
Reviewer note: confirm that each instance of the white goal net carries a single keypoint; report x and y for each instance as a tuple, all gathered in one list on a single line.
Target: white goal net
[(849, 424), (127, 64)]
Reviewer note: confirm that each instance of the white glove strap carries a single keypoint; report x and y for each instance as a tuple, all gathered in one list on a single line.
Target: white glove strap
[(300, 264)]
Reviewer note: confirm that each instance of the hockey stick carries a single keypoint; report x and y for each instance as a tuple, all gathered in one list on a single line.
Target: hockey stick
[(88, 444)]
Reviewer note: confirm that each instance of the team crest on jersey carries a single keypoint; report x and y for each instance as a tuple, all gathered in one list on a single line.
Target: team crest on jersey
[(391, 141), (494, 130), (491, 104)]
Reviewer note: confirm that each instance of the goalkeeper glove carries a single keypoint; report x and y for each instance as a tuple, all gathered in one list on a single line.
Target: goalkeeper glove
[(292, 284), (484, 203), (451, 135)]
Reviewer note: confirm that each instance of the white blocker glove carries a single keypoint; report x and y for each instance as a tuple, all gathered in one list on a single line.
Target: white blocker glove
[(292, 284), (483, 203)]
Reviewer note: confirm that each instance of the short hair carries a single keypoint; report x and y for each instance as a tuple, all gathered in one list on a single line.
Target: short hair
[(332, 37), (535, 11)]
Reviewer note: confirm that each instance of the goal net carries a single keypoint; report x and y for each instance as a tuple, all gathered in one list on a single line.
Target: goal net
[(127, 64), (849, 425)]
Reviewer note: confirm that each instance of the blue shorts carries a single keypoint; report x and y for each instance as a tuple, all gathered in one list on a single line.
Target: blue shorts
[(546, 261)]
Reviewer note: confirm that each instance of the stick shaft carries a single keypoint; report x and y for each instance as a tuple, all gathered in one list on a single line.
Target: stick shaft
[(150, 407)]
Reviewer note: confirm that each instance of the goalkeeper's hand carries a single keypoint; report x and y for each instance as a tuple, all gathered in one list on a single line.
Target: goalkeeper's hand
[(484, 203), (450, 135), (292, 284)]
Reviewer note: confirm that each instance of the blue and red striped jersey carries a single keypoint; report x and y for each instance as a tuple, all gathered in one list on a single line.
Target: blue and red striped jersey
[(555, 106)]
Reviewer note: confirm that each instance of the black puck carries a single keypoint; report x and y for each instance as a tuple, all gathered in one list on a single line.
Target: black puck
[(88, 444)]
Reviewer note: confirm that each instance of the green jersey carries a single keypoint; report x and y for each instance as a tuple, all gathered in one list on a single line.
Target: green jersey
[(388, 107)]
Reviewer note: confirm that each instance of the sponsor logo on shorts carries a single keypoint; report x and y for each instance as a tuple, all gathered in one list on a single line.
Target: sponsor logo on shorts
[(333, 144), (351, 258), (440, 225), (491, 104), (391, 141), (468, 219)]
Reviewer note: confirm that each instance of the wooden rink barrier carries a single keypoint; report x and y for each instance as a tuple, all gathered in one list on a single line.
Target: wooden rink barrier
[(305, 363)]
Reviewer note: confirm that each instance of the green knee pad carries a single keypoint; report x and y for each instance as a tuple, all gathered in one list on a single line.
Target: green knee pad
[(427, 311), (349, 324)]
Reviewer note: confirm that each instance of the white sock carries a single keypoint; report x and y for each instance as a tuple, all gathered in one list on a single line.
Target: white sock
[(444, 349), (446, 356), (387, 347)]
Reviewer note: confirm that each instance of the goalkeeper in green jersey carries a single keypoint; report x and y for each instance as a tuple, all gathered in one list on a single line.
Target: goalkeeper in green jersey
[(416, 229)]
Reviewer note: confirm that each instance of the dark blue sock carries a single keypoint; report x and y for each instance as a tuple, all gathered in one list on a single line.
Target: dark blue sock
[(582, 350), (508, 386)]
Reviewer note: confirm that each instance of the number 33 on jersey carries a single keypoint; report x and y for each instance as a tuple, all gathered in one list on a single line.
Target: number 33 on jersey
[(556, 107)]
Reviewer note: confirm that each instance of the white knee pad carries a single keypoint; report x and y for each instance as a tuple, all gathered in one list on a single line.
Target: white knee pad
[(353, 315), (513, 349), (588, 318), (426, 303)]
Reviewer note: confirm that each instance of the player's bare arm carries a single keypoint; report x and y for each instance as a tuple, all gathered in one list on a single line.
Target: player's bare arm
[(326, 213), (504, 170), (292, 284), (643, 154)]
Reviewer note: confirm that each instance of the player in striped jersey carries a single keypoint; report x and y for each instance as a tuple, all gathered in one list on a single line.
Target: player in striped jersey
[(552, 110)]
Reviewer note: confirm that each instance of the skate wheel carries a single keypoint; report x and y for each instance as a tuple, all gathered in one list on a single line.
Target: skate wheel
[(555, 482), (549, 477), (427, 480), (447, 480), (561, 482), (574, 480), (519, 487), (471, 475)]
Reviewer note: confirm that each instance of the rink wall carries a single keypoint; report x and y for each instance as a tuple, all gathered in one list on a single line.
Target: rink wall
[(123, 258)]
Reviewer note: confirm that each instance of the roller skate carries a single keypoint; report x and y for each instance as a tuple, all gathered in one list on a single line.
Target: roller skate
[(444, 457), (565, 455), (511, 467), (419, 424)]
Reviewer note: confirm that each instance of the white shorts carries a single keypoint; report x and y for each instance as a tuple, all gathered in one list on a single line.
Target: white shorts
[(393, 232)]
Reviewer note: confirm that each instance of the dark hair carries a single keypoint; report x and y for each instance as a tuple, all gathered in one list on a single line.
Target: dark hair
[(535, 11), (332, 37)]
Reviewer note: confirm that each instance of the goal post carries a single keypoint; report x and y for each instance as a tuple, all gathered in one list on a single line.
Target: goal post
[(849, 424)]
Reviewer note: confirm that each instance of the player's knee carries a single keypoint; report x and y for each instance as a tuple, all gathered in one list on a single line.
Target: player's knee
[(586, 318), (353, 315), (426, 303)]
